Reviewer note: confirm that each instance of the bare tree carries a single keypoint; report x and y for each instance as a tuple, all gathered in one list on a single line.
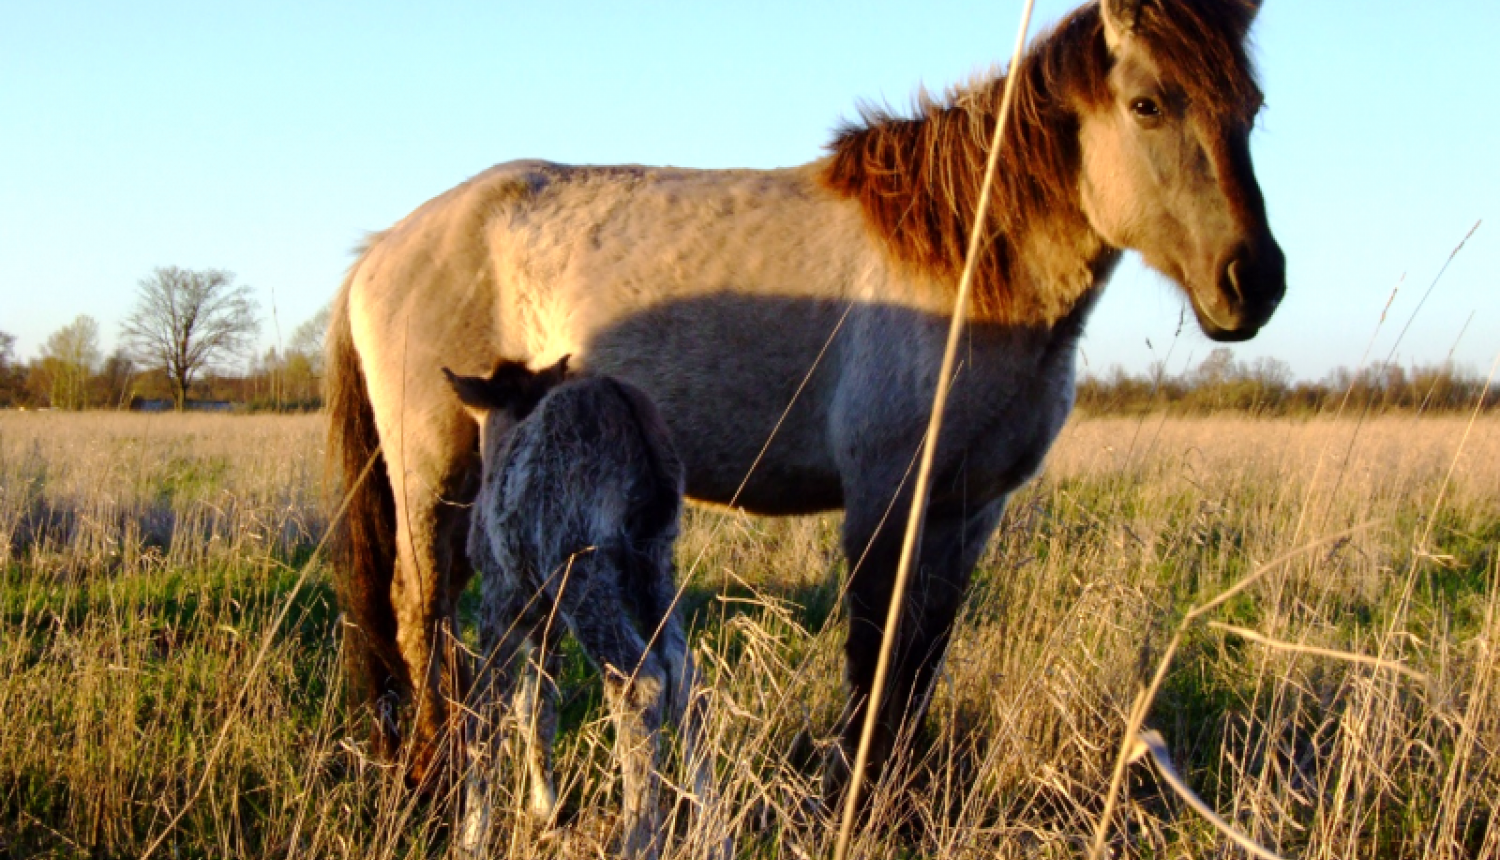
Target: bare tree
[(186, 321), (302, 362), (12, 372), (1217, 368), (112, 384), (68, 360), (307, 340)]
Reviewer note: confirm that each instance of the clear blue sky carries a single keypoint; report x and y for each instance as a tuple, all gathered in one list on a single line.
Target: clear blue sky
[(266, 138)]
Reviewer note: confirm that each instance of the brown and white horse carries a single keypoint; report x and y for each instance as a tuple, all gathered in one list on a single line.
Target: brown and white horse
[(716, 293)]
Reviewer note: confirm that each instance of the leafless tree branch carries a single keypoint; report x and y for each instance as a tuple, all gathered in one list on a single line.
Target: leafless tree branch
[(189, 321)]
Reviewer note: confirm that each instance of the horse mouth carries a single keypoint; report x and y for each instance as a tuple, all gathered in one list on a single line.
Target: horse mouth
[(1223, 327), (1223, 335), (1242, 302)]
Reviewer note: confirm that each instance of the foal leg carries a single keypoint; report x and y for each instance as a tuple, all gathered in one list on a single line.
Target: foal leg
[(688, 711), (650, 586), (503, 637), (534, 709), (951, 542), (519, 635), (635, 685), (637, 707)]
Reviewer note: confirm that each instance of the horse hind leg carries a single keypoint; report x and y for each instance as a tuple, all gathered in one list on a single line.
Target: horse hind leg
[(431, 570), (432, 466)]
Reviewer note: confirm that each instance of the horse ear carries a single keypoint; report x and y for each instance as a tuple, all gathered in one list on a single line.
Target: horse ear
[(475, 393), (1120, 18)]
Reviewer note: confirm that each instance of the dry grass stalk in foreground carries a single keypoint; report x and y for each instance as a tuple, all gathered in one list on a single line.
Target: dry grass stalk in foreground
[(143, 556)]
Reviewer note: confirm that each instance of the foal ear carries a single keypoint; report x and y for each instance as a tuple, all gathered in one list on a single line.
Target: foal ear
[(473, 392), (557, 374), (1120, 18)]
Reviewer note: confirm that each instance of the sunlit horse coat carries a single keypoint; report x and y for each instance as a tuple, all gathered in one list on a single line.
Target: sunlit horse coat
[(811, 302)]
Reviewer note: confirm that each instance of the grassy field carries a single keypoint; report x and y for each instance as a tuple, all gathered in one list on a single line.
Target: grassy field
[(146, 558)]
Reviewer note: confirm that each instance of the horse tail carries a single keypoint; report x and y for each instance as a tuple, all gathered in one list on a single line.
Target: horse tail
[(364, 543)]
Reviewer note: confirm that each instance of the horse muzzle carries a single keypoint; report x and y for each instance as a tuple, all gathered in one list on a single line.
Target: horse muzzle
[(1250, 285)]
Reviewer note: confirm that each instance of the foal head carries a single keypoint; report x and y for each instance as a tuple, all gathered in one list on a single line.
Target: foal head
[(1165, 152), (505, 397)]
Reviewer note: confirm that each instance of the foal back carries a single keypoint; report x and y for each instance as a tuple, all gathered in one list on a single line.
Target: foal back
[(591, 472)]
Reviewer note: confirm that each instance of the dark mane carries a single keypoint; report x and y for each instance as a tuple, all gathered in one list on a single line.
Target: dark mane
[(918, 178)]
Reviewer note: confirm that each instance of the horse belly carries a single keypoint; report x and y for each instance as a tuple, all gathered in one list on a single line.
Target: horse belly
[(716, 293), (739, 381)]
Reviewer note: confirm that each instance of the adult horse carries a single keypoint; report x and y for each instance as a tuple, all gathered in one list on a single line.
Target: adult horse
[(720, 292)]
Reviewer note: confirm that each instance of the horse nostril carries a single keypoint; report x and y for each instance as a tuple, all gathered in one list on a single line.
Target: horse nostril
[(1232, 271)]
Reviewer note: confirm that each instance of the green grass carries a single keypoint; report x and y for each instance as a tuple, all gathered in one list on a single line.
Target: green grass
[(142, 563)]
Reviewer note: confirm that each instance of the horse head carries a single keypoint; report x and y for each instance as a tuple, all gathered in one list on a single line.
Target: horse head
[(1165, 156)]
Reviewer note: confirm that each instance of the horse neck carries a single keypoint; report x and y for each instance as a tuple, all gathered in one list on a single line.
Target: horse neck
[(1050, 265), (918, 183)]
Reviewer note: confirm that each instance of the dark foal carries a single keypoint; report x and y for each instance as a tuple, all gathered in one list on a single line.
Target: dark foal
[(573, 529)]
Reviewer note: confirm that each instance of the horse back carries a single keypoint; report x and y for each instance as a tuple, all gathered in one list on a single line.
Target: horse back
[(776, 339)]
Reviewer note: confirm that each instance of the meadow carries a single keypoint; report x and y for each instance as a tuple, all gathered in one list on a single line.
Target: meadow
[(170, 684)]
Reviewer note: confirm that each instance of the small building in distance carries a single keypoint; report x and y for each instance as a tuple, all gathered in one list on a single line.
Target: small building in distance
[(142, 404)]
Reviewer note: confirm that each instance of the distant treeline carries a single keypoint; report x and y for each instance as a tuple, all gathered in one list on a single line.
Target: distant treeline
[(291, 381), (283, 389), (287, 380), (1266, 386), (202, 359)]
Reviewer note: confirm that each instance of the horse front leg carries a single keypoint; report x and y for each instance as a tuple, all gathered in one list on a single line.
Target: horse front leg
[(953, 537)]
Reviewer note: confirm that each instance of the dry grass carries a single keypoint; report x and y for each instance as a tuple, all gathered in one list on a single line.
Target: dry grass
[(143, 557)]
